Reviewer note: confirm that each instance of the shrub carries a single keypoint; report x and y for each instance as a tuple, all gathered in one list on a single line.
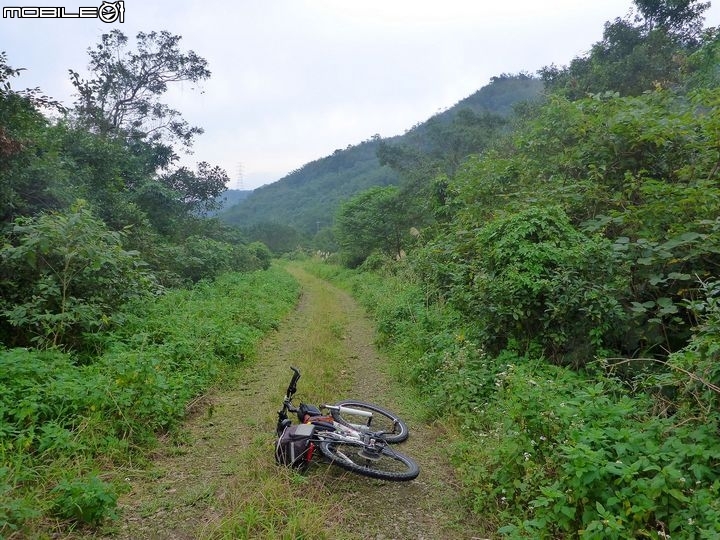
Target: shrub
[(549, 452), (67, 273), (696, 368), (531, 280), (261, 253), (87, 500), (562, 454)]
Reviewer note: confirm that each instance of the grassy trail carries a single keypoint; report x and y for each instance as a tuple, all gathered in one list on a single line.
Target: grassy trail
[(222, 482)]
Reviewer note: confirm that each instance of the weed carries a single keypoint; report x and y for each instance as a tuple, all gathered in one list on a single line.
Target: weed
[(86, 500)]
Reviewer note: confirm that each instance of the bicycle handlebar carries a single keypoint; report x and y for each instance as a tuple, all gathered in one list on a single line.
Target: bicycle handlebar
[(292, 387)]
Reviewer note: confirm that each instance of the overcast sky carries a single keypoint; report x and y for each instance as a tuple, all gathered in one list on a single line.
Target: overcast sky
[(293, 80)]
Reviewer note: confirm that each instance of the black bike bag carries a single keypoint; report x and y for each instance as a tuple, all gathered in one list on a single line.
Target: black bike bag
[(293, 447), (305, 411)]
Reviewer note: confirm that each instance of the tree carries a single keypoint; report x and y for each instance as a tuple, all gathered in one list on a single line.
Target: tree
[(279, 238), (34, 96), (123, 94), (637, 53), (682, 18), (121, 102), (198, 191), (375, 219), (20, 126), (63, 275), (468, 133)]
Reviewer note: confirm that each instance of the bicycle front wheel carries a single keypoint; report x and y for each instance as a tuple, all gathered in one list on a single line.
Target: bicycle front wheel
[(394, 429), (384, 465)]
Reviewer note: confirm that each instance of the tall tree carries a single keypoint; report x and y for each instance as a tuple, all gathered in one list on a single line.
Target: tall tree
[(198, 191), (374, 220), (122, 99), (683, 18), (122, 95), (21, 124)]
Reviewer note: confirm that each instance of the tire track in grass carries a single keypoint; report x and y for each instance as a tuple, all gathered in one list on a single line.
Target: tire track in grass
[(222, 482)]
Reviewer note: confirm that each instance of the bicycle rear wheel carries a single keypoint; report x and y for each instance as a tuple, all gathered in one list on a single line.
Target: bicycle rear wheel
[(384, 465), (396, 431)]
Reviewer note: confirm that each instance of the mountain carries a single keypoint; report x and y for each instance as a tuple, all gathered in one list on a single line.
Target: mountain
[(307, 198), (500, 96), (230, 198)]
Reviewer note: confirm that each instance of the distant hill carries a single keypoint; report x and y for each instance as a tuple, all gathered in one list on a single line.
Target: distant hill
[(501, 95), (308, 198), (230, 198)]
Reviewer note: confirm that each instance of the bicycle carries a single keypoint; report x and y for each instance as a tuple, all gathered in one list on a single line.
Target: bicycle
[(353, 435)]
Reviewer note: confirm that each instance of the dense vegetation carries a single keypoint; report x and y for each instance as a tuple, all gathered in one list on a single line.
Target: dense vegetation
[(109, 320), (546, 278), (557, 291), (230, 198), (66, 420)]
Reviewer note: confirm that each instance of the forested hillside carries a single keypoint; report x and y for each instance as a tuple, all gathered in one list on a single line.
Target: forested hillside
[(308, 198), (229, 198), (558, 291)]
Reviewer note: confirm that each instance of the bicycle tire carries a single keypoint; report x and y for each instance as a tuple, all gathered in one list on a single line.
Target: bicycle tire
[(388, 465), (388, 420)]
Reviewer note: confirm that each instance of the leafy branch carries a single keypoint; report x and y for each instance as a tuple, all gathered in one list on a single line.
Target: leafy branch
[(696, 378)]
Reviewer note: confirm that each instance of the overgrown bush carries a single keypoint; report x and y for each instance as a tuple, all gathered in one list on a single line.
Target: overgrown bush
[(62, 276), (562, 454), (261, 254), (549, 452), (86, 500), (531, 281)]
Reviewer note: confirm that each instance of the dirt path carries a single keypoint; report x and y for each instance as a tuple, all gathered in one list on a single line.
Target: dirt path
[(222, 481)]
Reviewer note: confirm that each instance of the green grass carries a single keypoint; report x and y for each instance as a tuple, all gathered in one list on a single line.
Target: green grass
[(64, 422), (280, 504)]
